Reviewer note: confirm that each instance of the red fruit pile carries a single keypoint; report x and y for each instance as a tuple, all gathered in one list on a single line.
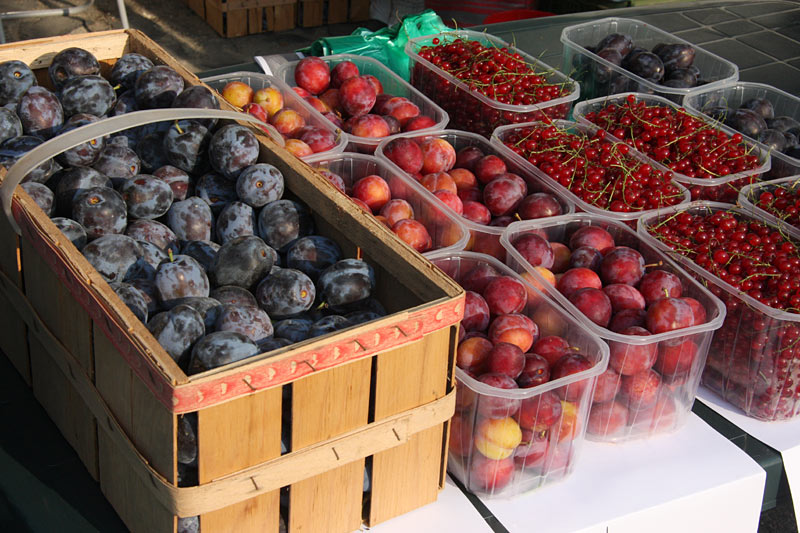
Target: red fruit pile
[(783, 201), (612, 286), (684, 143), (373, 194), (474, 184), (343, 94), (599, 172), (508, 343), (497, 73), (754, 358)]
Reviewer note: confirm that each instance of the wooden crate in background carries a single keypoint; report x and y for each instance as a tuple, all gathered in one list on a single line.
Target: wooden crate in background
[(237, 18), (377, 395), (313, 13)]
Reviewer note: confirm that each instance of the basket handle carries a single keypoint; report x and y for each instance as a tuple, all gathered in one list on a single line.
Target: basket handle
[(101, 128)]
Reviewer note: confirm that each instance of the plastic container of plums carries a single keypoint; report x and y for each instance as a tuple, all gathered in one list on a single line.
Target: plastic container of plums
[(599, 77), (485, 238), (473, 111), (712, 102), (446, 231), (753, 359), (504, 442), (392, 84), (654, 368), (291, 100), (723, 188)]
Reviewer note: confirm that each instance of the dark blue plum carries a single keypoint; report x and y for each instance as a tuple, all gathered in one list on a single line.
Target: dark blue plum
[(235, 220), (177, 330), (249, 321), (127, 69), (101, 211), (157, 87), (190, 219), (312, 255), (72, 230), (259, 185), (15, 79), (40, 113), (285, 293), (69, 63), (146, 196), (132, 297), (232, 149), (180, 278), (87, 94), (220, 348), (283, 221), (115, 257), (346, 282), (242, 261)]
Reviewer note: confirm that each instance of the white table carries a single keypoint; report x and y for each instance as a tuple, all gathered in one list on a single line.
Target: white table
[(694, 480), (784, 436)]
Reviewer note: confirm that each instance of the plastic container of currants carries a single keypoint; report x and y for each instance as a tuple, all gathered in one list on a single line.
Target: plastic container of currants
[(599, 77), (504, 442), (506, 133), (445, 230), (723, 187), (654, 370), (754, 361), (291, 100), (780, 204), (712, 102), (484, 238), (392, 84), (474, 111)]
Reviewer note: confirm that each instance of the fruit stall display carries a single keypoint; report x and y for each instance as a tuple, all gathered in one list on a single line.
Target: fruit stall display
[(618, 55), (599, 174), (484, 82), (477, 182), (759, 112), (526, 371), (365, 99), (752, 267), (265, 97), (711, 159), (206, 435), (657, 320), (409, 210)]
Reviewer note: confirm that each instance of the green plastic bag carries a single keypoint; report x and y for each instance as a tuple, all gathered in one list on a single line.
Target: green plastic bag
[(387, 45)]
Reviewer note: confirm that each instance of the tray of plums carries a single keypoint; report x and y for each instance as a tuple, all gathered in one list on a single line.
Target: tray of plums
[(526, 370), (363, 97), (597, 172), (219, 267), (709, 158), (484, 82), (658, 320), (618, 55), (472, 178), (752, 266), (761, 113)]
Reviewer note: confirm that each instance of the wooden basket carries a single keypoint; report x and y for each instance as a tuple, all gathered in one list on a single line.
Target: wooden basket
[(313, 13), (236, 18), (378, 395)]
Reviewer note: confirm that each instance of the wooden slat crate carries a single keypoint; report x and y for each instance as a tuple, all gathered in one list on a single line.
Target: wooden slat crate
[(236, 18), (379, 394), (313, 13)]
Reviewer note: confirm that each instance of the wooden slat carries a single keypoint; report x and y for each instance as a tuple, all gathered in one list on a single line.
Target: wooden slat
[(337, 11), (198, 6), (128, 494), (233, 436), (359, 10), (325, 405), (57, 308), (214, 17), (236, 23), (406, 377), (39, 53), (254, 19), (311, 13), (65, 407), (285, 15)]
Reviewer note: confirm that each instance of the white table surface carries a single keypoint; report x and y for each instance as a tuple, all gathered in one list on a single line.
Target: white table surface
[(693, 480), (451, 512), (783, 436)]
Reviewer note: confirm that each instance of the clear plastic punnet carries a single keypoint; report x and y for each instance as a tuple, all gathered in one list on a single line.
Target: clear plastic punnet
[(485, 238), (445, 230), (291, 100), (392, 84), (473, 111), (723, 188), (753, 361), (504, 442), (780, 207), (599, 77), (505, 133), (710, 101), (653, 375)]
